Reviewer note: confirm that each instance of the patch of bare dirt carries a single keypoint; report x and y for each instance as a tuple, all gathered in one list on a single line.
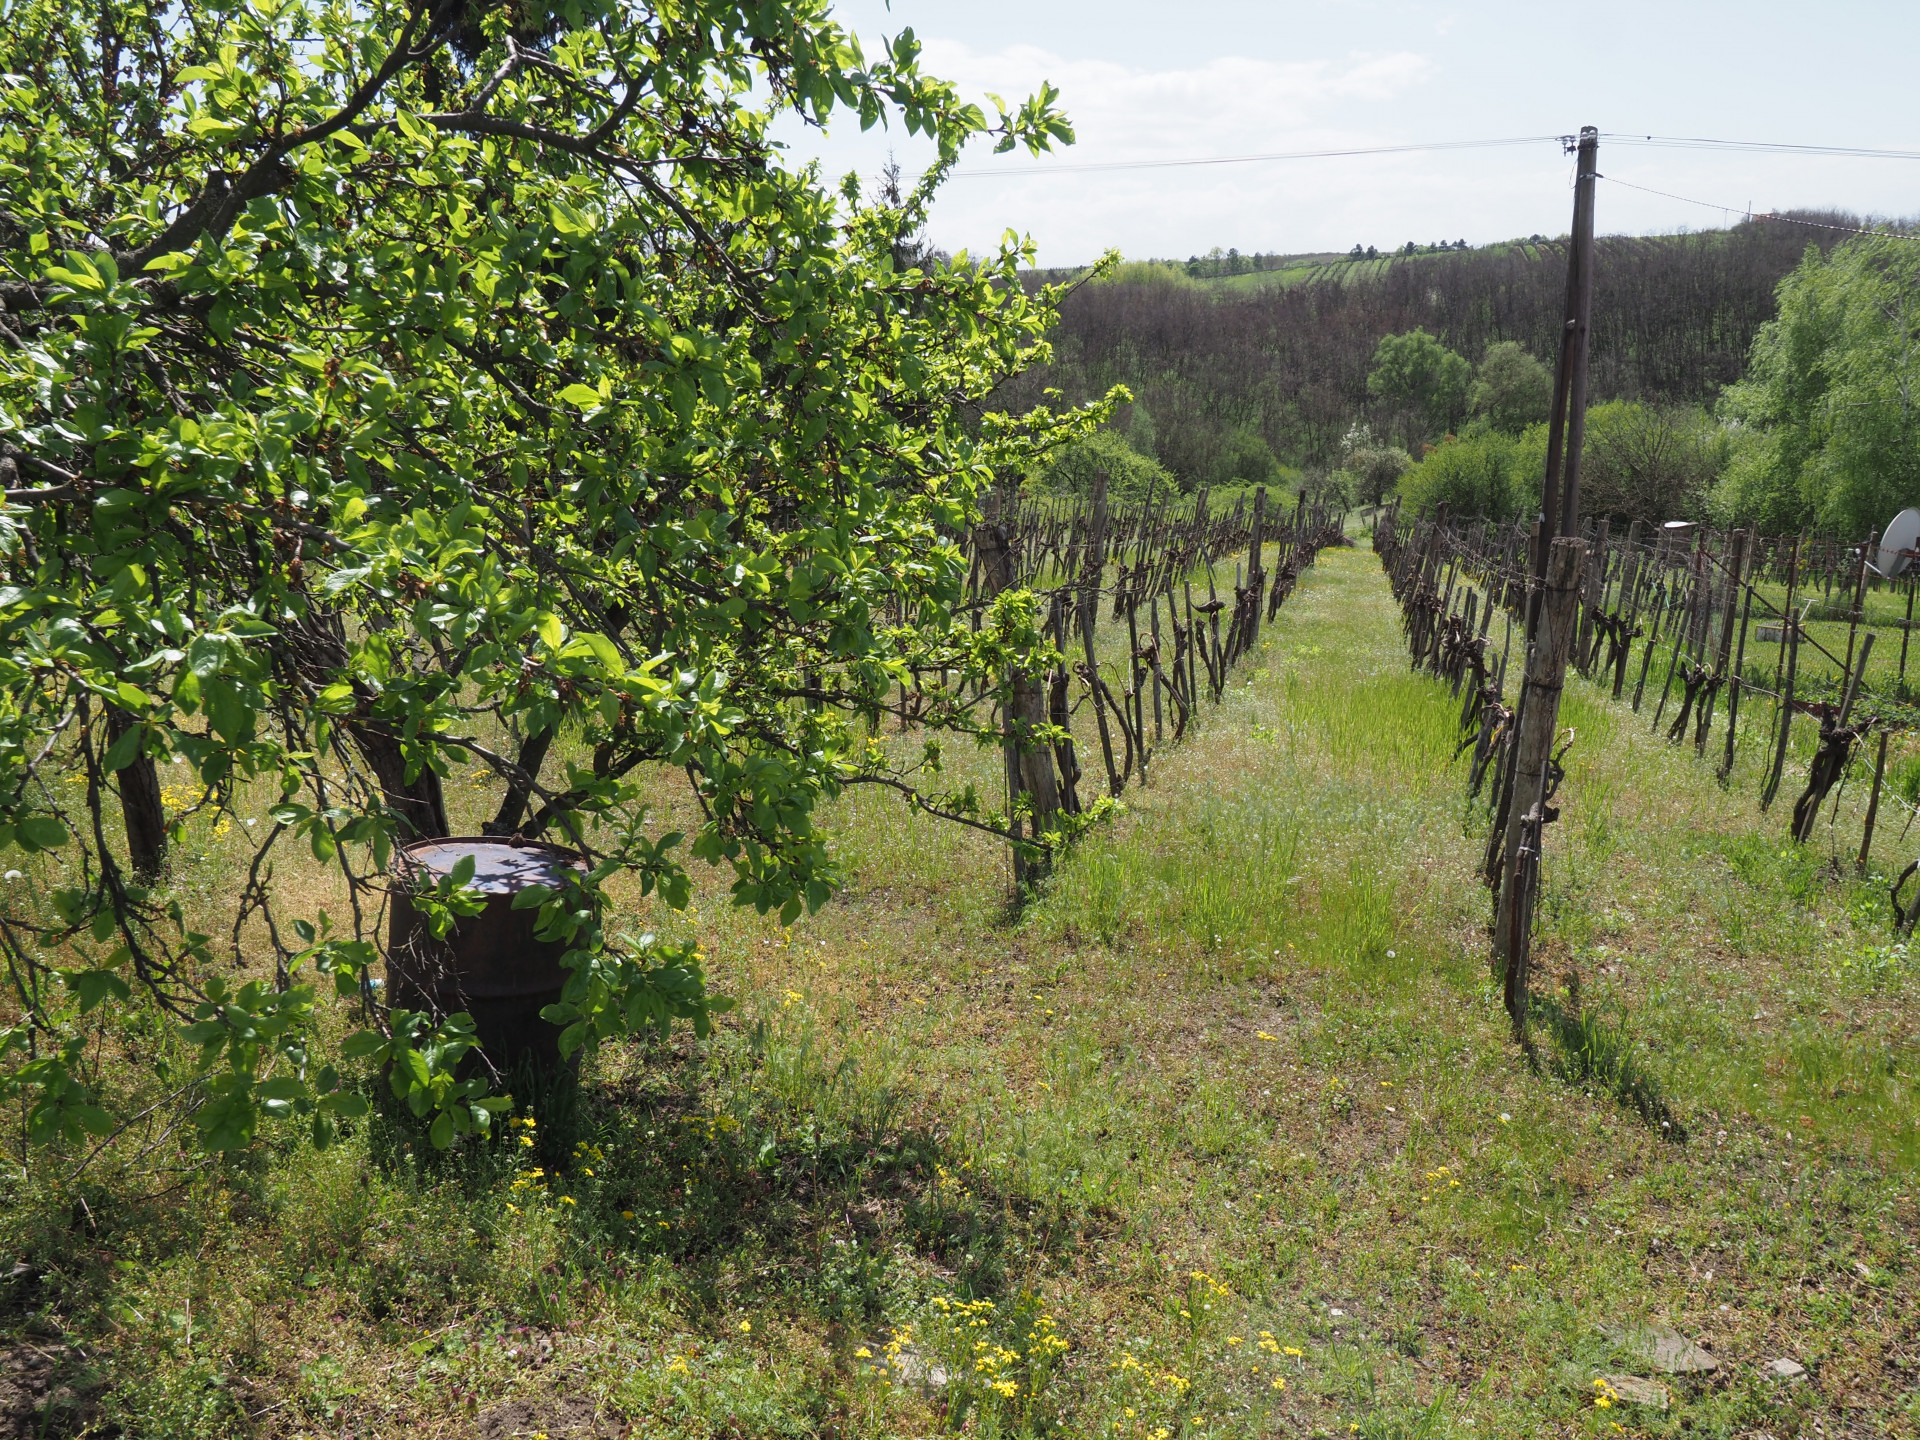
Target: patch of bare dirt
[(573, 1418)]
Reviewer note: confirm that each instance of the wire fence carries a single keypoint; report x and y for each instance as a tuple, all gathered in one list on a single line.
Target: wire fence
[(1695, 627)]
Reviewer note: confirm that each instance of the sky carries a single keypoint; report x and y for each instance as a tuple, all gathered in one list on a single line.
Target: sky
[(1232, 78)]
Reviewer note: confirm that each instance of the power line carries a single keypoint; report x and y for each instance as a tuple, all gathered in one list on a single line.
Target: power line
[(1757, 147), (1749, 214), (1254, 159), (1669, 142)]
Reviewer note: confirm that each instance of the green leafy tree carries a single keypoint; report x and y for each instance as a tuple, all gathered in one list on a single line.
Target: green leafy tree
[(393, 389), (1372, 469), (1649, 462), (1488, 474), (1832, 397), (1141, 434), (1512, 389), (1070, 470), (1422, 381), (1245, 459)]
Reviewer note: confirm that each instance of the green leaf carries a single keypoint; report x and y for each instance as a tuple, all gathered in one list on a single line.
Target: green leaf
[(124, 750), (41, 832), (532, 897), (347, 1104), (92, 1119), (93, 986), (442, 1132), (362, 1044), (585, 396)]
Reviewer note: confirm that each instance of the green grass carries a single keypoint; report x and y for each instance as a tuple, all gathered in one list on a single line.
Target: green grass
[(1247, 1032)]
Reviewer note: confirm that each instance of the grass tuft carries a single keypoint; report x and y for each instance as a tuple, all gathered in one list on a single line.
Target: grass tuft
[(1590, 1049)]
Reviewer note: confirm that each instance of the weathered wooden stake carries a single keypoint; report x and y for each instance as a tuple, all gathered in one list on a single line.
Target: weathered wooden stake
[(1791, 638), (1529, 811)]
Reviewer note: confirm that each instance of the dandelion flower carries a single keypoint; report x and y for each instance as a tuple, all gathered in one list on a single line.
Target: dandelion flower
[(746, 1327)]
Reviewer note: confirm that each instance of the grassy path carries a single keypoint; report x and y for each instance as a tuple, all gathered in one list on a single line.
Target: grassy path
[(1229, 1111)]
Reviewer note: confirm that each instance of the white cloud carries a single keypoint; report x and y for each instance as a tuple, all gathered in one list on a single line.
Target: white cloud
[(1230, 105)]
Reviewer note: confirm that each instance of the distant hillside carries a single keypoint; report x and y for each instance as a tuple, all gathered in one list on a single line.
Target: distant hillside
[(1282, 351)]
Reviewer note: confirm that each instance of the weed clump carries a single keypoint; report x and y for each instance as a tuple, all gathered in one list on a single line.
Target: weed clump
[(1592, 1049)]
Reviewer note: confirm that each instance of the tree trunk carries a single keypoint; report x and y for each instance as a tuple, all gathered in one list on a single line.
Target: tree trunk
[(533, 752), (140, 804), (320, 651)]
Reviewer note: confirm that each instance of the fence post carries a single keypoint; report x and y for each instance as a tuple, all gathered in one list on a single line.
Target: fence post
[(1528, 811), (1790, 625), (1736, 559), (1090, 578), (1256, 565)]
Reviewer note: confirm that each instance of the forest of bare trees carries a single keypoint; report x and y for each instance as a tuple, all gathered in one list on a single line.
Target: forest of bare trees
[(1674, 318)]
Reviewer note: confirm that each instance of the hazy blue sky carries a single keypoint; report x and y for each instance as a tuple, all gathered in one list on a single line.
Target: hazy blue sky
[(1227, 77)]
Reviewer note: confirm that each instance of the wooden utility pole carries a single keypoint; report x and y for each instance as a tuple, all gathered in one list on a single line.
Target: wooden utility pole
[(1532, 763), (1567, 424), (1560, 492)]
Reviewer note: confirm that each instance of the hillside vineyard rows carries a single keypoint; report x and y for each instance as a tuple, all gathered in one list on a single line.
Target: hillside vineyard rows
[(634, 803)]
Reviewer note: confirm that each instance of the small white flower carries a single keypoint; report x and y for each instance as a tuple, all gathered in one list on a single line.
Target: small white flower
[(13, 875), (1504, 1117)]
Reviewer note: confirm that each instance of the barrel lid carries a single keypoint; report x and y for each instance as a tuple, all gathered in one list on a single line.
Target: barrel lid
[(500, 867)]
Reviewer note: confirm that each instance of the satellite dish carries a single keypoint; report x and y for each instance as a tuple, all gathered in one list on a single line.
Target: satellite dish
[(1897, 545)]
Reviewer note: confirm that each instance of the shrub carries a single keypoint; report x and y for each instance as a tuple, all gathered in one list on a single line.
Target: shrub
[(1479, 475)]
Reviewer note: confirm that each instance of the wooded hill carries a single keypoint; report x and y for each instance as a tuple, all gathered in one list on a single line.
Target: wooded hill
[(1214, 360)]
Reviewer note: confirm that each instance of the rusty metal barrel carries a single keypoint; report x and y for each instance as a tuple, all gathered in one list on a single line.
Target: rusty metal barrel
[(490, 965)]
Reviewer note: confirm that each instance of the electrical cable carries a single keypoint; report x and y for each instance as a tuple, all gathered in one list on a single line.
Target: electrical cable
[(1749, 214), (1757, 147), (1254, 159), (1670, 142)]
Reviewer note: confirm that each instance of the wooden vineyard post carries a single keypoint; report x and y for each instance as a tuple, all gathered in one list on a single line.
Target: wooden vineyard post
[(1627, 607), (1256, 566), (1494, 864), (1153, 646), (1830, 760), (1135, 671), (1653, 643), (1724, 657), (1791, 638), (1880, 760), (1873, 805), (1906, 634), (1738, 681), (1529, 810), (1093, 570)]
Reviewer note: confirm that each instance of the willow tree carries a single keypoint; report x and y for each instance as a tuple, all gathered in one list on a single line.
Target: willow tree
[(392, 388)]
